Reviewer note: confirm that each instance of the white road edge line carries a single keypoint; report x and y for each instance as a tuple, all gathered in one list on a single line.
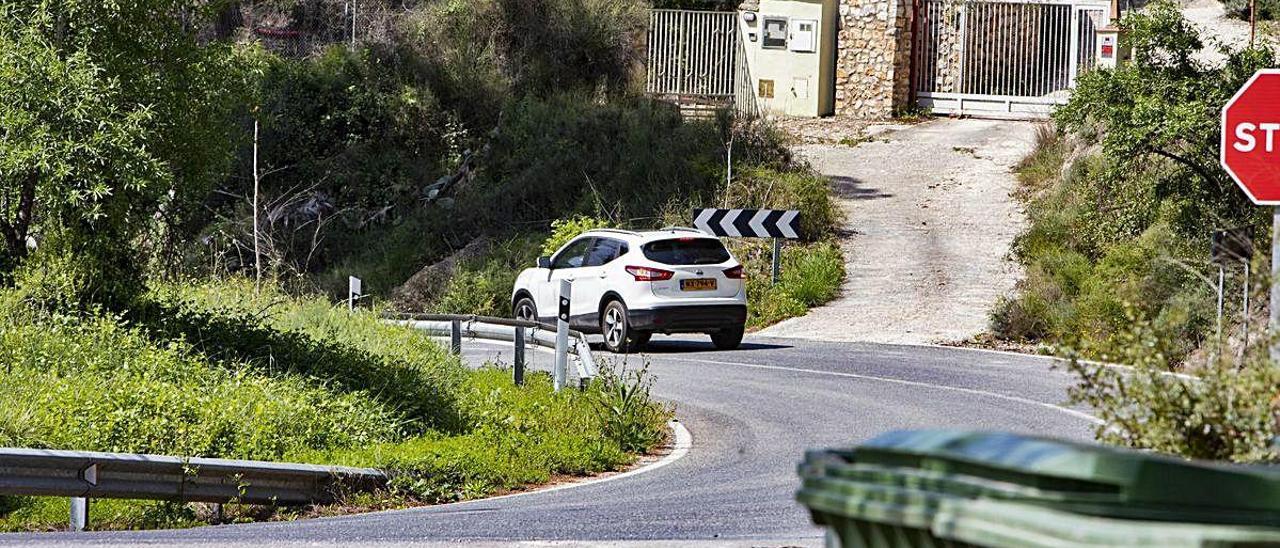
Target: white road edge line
[(974, 391), (683, 442)]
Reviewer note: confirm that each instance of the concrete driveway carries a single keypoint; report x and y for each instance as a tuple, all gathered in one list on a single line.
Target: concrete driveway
[(930, 221)]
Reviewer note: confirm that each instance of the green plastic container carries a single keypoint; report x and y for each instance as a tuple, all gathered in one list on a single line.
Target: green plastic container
[(956, 488)]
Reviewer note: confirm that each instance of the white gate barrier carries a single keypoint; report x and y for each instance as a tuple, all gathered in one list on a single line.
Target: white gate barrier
[(994, 57), (692, 53)]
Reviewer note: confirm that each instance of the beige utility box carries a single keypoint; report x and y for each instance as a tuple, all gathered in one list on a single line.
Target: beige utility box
[(791, 55), (1112, 49)]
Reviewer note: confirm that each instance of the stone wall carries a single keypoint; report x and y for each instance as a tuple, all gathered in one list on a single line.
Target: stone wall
[(873, 59)]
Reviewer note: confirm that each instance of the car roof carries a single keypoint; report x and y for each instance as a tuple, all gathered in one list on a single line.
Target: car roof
[(648, 235)]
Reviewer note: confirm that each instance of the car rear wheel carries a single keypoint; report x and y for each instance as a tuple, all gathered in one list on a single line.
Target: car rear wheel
[(619, 338), (525, 310), (728, 338)]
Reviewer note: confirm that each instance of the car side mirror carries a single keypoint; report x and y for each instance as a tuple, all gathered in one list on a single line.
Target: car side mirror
[(544, 262)]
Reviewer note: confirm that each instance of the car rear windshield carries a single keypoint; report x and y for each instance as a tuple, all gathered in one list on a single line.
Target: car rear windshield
[(686, 251)]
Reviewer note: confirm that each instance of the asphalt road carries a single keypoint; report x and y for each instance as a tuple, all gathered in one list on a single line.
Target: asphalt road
[(751, 412)]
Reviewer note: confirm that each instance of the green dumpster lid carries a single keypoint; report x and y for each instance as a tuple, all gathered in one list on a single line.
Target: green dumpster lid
[(1133, 477)]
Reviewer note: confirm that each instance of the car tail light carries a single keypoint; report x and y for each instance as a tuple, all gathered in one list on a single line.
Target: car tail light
[(646, 274), (735, 273)]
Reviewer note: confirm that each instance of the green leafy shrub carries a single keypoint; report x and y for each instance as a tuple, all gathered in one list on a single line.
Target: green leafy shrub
[(1268, 10), (811, 275), (1227, 411), (631, 418), (563, 230), (484, 286), (1121, 204), (112, 114), (794, 188)]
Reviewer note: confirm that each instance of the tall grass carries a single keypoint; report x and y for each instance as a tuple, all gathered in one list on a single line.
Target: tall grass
[(308, 381), (811, 275), (98, 384)]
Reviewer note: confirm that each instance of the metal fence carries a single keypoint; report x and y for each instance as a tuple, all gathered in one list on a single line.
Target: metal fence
[(1003, 57), (692, 53), (744, 91)]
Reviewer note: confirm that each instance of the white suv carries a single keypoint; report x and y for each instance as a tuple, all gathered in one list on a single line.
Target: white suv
[(629, 285)]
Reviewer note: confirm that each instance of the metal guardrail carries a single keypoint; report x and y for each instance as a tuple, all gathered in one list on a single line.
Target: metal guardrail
[(517, 332), (83, 475)]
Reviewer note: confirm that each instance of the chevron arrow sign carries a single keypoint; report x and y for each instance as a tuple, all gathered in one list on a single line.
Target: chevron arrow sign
[(748, 223)]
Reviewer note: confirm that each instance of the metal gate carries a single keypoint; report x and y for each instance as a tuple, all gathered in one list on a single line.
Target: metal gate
[(1001, 57), (691, 54)]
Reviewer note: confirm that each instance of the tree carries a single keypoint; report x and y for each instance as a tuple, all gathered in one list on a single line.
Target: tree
[(1165, 106), (111, 117)]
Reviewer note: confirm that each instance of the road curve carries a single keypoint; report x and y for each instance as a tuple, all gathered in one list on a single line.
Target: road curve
[(751, 412)]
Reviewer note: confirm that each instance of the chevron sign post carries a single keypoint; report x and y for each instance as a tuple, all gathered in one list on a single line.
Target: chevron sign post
[(778, 224)]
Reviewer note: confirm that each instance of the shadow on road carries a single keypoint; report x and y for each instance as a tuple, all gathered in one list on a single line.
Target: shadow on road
[(850, 188), (685, 346)]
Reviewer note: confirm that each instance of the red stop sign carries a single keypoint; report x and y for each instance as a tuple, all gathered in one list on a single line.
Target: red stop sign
[(1251, 137)]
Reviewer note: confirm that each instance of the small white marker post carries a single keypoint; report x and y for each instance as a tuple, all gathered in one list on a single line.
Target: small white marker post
[(354, 291), (80, 505), (562, 336), (79, 513)]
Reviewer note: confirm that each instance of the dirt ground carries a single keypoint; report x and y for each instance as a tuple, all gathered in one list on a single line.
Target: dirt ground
[(1216, 29), (930, 223)]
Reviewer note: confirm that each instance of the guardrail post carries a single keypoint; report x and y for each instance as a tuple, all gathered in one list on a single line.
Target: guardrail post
[(518, 361), (562, 336), (79, 513), (455, 336)]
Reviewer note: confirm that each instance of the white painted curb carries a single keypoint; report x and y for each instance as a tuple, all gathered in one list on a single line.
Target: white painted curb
[(683, 442)]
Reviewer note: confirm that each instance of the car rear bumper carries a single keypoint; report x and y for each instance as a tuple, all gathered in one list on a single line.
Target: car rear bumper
[(685, 319)]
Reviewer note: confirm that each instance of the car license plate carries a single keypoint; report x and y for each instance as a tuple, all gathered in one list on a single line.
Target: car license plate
[(698, 284)]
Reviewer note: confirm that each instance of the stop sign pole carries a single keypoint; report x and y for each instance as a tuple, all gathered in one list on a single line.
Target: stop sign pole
[(1250, 153)]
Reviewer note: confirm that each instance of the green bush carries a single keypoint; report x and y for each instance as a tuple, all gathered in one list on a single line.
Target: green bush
[(811, 275), (563, 230), (1228, 411), (112, 114), (1268, 10), (793, 188), (1121, 205)]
